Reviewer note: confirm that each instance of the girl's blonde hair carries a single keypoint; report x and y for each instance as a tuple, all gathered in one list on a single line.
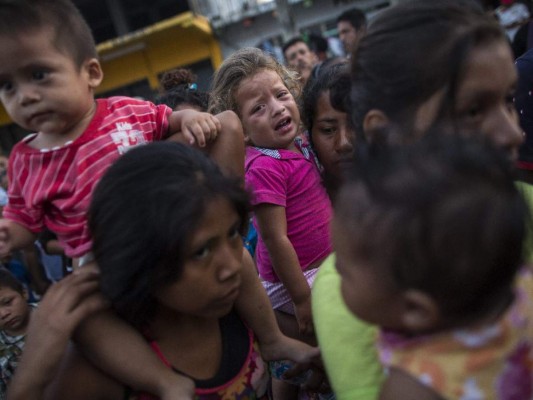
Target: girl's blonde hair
[(242, 64)]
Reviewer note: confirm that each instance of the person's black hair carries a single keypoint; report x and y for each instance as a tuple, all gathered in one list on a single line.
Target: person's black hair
[(318, 44), (291, 42), (142, 215), (72, 34), (319, 68), (355, 17), (7, 279), (396, 68), (441, 215), (179, 87), (336, 79)]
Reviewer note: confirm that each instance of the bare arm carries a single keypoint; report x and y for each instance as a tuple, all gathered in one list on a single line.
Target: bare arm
[(401, 386), (225, 147), (124, 354), (273, 228), (227, 150), (14, 236), (254, 307)]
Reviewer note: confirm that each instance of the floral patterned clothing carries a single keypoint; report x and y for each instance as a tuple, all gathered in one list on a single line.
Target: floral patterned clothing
[(248, 381), (492, 362), (10, 352)]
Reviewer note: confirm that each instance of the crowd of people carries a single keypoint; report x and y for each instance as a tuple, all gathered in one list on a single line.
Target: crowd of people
[(352, 227)]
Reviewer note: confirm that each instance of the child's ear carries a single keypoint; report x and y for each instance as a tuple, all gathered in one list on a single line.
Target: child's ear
[(420, 313), (374, 121), (247, 140), (25, 294), (93, 69)]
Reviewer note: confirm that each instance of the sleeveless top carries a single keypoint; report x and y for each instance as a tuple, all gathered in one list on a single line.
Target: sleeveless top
[(242, 373)]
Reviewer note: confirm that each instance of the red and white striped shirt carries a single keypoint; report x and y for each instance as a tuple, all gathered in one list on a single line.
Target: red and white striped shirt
[(53, 187)]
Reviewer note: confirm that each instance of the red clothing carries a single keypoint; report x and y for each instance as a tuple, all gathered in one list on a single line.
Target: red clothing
[(53, 187)]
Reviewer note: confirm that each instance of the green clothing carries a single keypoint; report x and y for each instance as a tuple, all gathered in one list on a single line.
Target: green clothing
[(527, 191), (346, 343)]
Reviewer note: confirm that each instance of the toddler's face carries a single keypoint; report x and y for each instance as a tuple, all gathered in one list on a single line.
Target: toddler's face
[(269, 114), (14, 311), (40, 86), (211, 277)]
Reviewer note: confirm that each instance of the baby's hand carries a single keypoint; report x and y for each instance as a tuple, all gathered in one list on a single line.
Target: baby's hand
[(286, 348), (181, 389), (304, 316), (66, 304), (199, 127)]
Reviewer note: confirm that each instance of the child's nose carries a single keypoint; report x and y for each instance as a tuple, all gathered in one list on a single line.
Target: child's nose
[(27, 94), (278, 108), (231, 263)]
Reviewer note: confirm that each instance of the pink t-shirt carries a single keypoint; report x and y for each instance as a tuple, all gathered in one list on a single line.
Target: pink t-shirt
[(290, 180), (53, 187)]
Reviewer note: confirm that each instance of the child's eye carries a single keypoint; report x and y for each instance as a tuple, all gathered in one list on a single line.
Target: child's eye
[(7, 302), (473, 111), (39, 75), (328, 130), (234, 233), (257, 108), (6, 86), (201, 253), (283, 94)]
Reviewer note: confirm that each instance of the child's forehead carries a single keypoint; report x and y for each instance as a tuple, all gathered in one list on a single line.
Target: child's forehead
[(8, 291), (41, 39)]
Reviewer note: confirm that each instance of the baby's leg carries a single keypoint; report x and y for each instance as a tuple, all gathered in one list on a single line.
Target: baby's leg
[(117, 348)]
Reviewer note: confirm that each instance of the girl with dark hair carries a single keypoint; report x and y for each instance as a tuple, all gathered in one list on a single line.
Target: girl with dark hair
[(166, 227), (325, 114)]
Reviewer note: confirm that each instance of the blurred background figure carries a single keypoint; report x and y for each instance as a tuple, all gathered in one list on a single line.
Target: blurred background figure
[(299, 57), (179, 91), (512, 15), (351, 27)]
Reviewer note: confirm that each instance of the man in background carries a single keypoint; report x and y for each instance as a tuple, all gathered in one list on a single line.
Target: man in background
[(351, 27), (299, 57)]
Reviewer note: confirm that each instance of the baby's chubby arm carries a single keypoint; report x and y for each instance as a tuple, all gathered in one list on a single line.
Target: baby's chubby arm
[(124, 354), (225, 146), (14, 236)]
